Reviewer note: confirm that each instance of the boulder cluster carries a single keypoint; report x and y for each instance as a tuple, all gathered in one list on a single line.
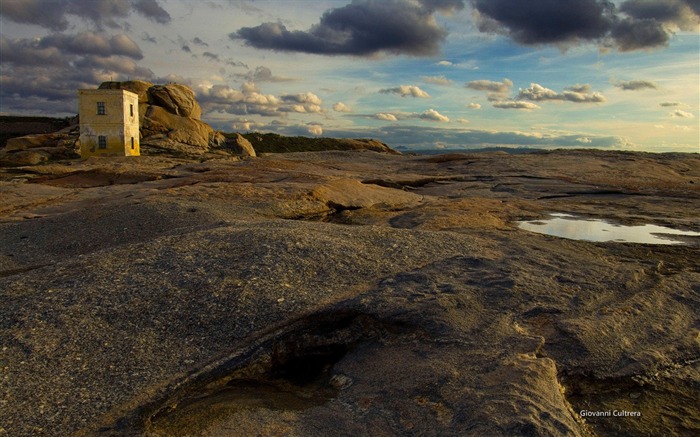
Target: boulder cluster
[(170, 120)]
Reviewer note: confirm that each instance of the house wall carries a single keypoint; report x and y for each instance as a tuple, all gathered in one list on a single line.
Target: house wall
[(119, 124)]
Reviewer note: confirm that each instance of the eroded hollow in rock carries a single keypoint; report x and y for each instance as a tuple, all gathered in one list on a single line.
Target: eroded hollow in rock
[(292, 371)]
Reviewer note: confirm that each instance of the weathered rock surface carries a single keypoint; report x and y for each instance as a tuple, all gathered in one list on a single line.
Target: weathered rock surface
[(160, 296), (40, 148)]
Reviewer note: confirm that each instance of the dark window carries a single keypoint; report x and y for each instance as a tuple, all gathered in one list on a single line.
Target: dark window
[(132, 143), (102, 142), (101, 108), (131, 110)]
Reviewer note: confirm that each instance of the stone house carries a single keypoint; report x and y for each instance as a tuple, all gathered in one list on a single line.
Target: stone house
[(109, 122)]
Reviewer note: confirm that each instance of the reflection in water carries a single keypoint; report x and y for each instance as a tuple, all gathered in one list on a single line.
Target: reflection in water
[(569, 226)]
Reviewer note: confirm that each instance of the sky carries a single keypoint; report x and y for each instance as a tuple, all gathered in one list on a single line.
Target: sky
[(415, 74)]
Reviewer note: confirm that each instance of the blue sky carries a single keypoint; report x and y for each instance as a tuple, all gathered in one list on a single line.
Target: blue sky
[(412, 73)]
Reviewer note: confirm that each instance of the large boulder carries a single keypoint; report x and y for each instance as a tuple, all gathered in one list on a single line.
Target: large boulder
[(138, 87), (176, 99), (240, 146), (170, 119)]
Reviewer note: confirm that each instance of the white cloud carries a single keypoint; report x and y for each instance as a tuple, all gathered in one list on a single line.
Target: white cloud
[(386, 116), (445, 63), (315, 129), (474, 106), (405, 91), (515, 104), (576, 94), (433, 115), (341, 107)]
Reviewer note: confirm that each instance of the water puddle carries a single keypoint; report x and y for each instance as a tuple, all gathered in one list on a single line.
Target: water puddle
[(576, 228)]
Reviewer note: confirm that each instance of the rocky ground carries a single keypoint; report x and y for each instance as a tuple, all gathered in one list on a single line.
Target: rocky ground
[(347, 293)]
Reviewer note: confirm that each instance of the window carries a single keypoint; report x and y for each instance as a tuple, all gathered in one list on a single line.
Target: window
[(101, 108), (102, 142), (132, 143), (131, 110)]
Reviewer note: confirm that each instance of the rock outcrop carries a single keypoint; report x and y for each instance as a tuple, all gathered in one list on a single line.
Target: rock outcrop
[(170, 119), (306, 293), (41, 148)]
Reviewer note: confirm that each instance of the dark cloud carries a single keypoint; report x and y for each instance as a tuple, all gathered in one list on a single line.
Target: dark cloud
[(54, 14), (185, 48), (576, 94), (544, 21), (637, 24), (148, 38), (210, 55), (90, 43), (682, 13), (361, 28), (633, 85), (152, 10), (48, 71), (198, 41), (669, 104)]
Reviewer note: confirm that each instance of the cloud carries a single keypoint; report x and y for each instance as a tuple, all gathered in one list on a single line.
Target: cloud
[(428, 115), (248, 100), (361, 28), (680, 13), (474, 106), (437, 80), (633, 85), (264, 74), (496, 90), (210, 55), (406, 90), (91, 43), (487, 85), (42, 74), (538, 93), (198, 41), (385, 116), (314, 129), (667, 104), (54, 14), (152, 10), (433, 115), (341, 107), (681, 114), (513, 104), (637, 24), (445, 63)]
